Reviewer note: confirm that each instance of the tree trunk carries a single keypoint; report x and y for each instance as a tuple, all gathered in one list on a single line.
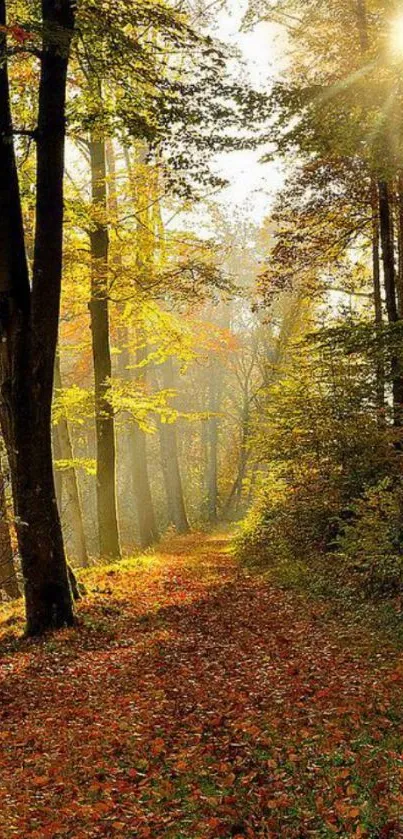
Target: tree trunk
[(170, 462), (8, 577), (70, 482), (148, 531), (147, 528), (388, 254), (212, 441), (124, 477), (235, 496), (204, 468), (29, 323), (376, 278), (399, 280), (104, 420), (57, 475), (389, 274)]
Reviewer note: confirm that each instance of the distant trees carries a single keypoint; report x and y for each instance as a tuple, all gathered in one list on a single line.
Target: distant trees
[(142, 125), (170, 461), (68, 480)]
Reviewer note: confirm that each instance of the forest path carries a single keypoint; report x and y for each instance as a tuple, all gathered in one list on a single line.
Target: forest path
[(197, 701)]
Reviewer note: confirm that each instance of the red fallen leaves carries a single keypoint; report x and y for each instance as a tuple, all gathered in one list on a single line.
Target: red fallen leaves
[(198, 704), (40, 780), (157, 747)]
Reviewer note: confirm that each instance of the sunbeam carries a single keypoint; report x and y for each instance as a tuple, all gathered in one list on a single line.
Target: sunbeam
[(397, 36)]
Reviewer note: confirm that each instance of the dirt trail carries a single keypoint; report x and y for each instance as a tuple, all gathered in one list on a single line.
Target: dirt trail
[(195, 701)]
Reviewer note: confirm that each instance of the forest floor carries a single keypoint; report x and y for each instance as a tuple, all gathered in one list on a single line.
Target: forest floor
[(195, 700)]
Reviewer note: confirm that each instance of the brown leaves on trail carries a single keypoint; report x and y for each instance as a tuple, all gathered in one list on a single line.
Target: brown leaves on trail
[(194, 703)]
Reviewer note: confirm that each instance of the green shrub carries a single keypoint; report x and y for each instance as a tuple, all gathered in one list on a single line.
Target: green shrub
[(371, 543), (331, 493)]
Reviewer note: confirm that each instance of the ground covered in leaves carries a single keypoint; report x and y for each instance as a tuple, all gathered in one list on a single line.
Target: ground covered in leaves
[(196, 701)]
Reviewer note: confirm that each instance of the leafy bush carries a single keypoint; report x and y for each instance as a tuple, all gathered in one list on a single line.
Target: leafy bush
[(372, 543), (330, 485)]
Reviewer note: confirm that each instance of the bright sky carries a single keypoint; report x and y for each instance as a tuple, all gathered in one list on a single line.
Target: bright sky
[(252, 185)]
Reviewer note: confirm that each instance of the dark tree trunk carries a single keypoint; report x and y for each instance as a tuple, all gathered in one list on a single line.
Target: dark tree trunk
[(69, 477), (399, 279), (388, 253), (389, 274), (170, 462), (376, 278), (30, 326), (104, 419)]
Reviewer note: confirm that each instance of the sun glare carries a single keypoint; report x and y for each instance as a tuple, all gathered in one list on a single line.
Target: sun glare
[(397, 35)]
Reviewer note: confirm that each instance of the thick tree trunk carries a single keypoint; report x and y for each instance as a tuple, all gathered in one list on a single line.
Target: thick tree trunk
[(170, 462), (104, 418), (69, 477), (30, 327)]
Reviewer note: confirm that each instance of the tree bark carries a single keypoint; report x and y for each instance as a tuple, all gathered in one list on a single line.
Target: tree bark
[(399, 280), (170, 462), (389, 274), (8, 577), (388, 253), (29, 321), (391, 282), (104, 419), (69, 478), (57, 455), (376, 279)]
